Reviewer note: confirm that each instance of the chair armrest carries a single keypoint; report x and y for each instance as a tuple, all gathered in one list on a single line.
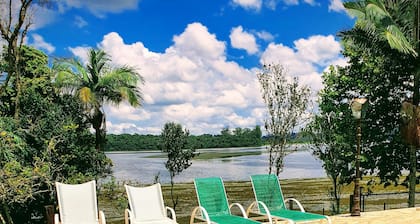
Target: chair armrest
[(255, 204), (240, 208), (297, 202), (172, 211), (127, 216), (101, 217), (56, 218), (203, 213)]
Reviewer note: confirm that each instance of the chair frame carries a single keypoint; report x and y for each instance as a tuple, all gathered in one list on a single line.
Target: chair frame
[(128, 214), (100, 219), (205, 218), (255, 210)]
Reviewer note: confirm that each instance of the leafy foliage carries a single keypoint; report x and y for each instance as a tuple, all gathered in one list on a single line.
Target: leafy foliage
[(384, 24), (241, 137), (98, 83), (286, 102), (49, 142), (174, 143)]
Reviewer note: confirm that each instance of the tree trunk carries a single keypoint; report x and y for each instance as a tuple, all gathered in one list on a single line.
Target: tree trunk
[(97, 122), (412, 178), (336, 196), (6, 213)]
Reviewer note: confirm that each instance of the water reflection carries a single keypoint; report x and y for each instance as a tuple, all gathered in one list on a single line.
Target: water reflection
[(139, 167)]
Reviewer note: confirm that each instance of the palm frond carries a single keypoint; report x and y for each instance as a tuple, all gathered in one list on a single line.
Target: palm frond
[(398, 41), (356, 9), (375, 11)]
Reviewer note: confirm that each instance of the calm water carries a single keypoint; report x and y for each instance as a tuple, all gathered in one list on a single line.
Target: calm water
[(137, 167)]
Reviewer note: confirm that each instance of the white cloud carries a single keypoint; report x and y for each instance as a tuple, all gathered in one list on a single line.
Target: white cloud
[(41, 44), (336, 6), (241, 39), (100, 8), (266, 36), (80, 22), (190, 83), (307, 59), (41, 16), (249, 4), (196, 42), (318, 49), (194, 84), (80, 52)]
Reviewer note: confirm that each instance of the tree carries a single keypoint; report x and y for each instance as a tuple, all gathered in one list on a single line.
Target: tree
[(50, 142), (396, 25), (371, 72), (286, 102), (14, 25), (174, 141), (332, 142), (98, 83)]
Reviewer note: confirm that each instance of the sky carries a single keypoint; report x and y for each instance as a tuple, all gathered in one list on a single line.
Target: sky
[(199, 58)]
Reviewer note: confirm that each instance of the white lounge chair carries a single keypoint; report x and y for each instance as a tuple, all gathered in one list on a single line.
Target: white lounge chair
[(77, 204), (146, 206)]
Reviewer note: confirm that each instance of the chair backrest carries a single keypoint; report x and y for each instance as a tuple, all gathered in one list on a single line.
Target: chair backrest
[(77, 202), (267, 189), (146, 203), (211, 195)]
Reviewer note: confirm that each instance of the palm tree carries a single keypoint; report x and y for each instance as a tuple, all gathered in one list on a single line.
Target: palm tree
[(96, 84), (395, 23)]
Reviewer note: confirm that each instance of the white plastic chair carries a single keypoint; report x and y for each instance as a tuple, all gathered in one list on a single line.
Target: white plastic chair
[(146, 206), (77, 204)]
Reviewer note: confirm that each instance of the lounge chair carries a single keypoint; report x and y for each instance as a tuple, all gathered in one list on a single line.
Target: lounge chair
[(146, 206), (77, 204), (267, 190), (214, 206)]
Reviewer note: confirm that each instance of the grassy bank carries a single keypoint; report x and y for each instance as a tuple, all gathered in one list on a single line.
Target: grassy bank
[(312, 193)]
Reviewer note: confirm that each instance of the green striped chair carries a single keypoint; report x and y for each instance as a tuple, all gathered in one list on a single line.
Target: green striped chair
[(267, 190), (213, 204)]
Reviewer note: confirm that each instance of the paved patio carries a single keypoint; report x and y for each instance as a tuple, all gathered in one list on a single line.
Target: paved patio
[(394, 216)]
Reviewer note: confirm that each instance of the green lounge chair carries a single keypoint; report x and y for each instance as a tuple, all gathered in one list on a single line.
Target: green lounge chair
[(267, 190), (214, 206)]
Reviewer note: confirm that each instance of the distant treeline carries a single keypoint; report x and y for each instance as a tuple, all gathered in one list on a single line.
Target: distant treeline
[(238, 137)]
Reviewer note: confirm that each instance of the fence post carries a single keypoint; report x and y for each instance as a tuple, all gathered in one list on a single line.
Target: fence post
[(351, 203), (291, 205)]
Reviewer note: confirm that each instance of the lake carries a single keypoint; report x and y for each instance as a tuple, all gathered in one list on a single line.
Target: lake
[(139, 167)]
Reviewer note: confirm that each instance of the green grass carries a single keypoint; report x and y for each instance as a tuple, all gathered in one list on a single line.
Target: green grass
[(312, 193)]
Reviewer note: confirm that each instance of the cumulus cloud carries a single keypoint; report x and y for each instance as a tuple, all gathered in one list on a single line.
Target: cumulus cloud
[(197, 42), (336, 6), (193, 83), (307, 59), (318, 49), (39, 43), (241, 39), (249, 4)]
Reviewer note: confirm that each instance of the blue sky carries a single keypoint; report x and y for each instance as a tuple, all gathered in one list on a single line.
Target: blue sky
[(199, 58)]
